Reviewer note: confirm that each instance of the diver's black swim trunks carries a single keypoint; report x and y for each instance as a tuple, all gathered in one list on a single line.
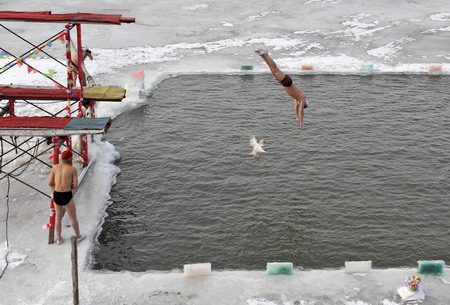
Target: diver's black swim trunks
[(62, 198), (287, 81)]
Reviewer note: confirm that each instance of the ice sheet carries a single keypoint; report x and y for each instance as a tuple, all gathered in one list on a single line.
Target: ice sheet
[(170, 38)]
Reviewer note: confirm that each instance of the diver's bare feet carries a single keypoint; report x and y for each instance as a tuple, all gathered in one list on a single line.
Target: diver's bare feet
[(261, 52)]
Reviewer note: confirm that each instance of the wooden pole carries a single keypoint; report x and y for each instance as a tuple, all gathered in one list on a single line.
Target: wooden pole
[(73, 241)]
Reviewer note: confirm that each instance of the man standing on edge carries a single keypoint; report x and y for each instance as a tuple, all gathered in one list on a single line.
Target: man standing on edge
[(63, 178), (85, 53)]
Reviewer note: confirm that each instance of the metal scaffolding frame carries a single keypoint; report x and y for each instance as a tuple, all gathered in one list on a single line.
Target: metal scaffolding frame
[(55, 136)]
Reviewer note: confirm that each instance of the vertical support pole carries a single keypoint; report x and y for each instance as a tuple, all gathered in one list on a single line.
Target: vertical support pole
[(12, 111), (81, 109), (51, 222), (69, 145), (55, 150), (80, 73), (80, 59), (74, 256), (84, 155), (93, 114), (69, 69), (69, 79)]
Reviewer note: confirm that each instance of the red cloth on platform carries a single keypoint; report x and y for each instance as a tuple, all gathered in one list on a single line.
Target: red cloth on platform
[(34, 122), (47, 16)]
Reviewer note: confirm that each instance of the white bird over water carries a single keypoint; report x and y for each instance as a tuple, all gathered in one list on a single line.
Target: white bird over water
[(257, 147)]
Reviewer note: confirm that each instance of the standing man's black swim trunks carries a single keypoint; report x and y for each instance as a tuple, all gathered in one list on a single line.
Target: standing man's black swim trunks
[(62, 198)]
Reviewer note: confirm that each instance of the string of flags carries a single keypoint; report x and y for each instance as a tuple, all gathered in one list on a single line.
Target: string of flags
[(63, 37), (50, 73), (19, 61), (3, 54)]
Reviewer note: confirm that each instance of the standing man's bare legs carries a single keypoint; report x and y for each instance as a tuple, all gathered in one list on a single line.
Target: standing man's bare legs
[(58, 219), (70, 208)]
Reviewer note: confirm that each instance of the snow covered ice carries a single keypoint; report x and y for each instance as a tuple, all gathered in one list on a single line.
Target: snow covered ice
[(175, 37)]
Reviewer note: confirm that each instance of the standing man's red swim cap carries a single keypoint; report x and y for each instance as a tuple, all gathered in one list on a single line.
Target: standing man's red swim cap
[(66, 155)]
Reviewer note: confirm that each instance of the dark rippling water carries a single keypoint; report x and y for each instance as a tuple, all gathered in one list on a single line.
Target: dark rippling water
[(366, 179)]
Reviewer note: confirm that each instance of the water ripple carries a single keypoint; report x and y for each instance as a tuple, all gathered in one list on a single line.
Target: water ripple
[(367, 177)]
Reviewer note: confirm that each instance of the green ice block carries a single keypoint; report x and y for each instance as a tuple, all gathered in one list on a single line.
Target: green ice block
[(246, 67), (280, 268), (431, 267)]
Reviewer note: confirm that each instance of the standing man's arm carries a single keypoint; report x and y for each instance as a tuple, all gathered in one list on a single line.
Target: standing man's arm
[(51, 180), (74, 178)]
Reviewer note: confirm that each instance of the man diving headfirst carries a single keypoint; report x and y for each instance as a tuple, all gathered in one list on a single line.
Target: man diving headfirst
[(300, 102)]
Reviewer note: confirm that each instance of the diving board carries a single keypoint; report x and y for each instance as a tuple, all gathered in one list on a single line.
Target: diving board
[(47, 16), (52, 126), (96, 93)]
